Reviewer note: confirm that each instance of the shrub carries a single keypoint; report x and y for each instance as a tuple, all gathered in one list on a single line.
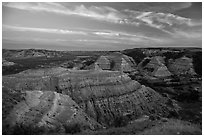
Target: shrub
[(136, 54), (73, 128), (112, 64), (120, 121), (197, 63), (146, 61), (173, 127), (28, 130)]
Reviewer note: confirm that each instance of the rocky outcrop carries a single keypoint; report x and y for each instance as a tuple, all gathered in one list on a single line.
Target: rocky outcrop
[(116, 61), (104, 63), (181, 66), (48, 109), (102, 95), (161, 71), (155, 67)]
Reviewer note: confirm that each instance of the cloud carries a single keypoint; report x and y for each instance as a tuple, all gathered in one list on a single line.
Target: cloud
[(109, 14), (106, 33), (176, 37), (163, 6), (99, 13), (192, 35), (93, 36), (162, 21), (37, 6), (167, 7), (154, 18), (43, 30), (124, 37), (23, 39)]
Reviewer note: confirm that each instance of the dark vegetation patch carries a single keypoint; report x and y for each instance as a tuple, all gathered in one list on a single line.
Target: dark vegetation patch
[(88, 61), (33, 63), (173, 127), (129, 129), (173, 55), (119, 121), (149, 127), (22, 129), (146, 61), (112, 64), (197, 62), (7, 70), (9, 99), (73, 128), (183, 90), (191, 111), (136, 54), (190, 106)]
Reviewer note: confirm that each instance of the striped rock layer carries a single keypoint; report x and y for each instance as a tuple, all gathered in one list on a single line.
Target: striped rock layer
[(182, 66), (155, 67), (102, 95), (116, 61), (48, 109)]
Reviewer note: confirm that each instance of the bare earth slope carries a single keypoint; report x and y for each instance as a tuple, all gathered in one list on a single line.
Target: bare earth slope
[(49, 109), (100, 97)]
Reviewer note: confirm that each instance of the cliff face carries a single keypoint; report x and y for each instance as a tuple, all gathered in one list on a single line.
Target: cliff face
[(154, 67), (182, 66), (116, 61), (101, 95), (103, 63), (105, 95)]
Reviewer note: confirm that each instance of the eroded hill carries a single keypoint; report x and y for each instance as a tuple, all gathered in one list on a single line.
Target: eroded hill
[(102, 96), (101, 91)]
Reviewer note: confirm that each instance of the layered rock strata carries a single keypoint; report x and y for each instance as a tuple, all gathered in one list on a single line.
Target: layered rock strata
[(107, 95), (102, 95), (154, 67), (49, 109), (182, 66), (116, 61)]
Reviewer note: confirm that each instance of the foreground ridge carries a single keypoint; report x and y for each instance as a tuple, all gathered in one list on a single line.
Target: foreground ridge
[(93, 98)]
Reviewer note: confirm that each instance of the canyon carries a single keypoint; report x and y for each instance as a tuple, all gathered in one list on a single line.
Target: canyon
[(110, 90), (101, 96)]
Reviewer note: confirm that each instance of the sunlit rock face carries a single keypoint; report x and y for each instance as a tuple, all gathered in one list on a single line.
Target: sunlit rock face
[(48, 109), (40, 79), (104, 63), (182, 66), (116, 61), (105, 95), (155, 67), (102, 95)]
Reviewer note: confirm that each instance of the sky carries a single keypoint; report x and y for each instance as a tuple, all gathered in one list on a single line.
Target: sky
[(101, 26)]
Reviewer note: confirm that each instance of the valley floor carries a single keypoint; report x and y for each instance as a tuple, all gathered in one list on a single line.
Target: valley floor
[(151, 127)]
